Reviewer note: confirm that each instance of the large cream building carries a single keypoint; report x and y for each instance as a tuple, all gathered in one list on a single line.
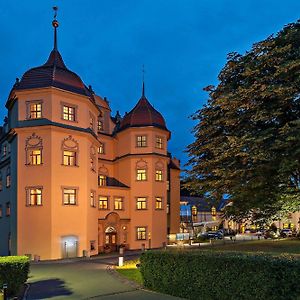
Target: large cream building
[(73, 179)]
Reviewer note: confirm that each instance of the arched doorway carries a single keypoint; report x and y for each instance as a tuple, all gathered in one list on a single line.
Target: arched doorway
[(110, 239)]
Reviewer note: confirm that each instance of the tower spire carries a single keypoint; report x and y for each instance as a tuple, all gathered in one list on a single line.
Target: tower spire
[(55, 25), (143, 88)]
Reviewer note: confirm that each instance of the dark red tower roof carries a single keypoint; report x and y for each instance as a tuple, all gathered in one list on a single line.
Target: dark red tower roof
[(143, 114), (53, 73)]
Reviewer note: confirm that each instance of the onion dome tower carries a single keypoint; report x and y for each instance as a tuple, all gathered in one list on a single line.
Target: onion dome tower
[(53, 73), (143, 114)]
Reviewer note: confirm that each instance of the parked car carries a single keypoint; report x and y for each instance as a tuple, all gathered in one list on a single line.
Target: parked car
[(286, 233), (212, 235), (270, 234)]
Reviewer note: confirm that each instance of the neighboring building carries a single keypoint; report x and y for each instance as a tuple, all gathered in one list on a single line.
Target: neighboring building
[(74, 180), (195, 212)]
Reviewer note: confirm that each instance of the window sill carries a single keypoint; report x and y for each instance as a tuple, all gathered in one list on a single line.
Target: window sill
[(75, 166), (32, 165)]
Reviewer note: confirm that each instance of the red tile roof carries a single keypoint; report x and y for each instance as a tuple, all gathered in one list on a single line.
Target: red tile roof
[(53, 73), (143, 114)]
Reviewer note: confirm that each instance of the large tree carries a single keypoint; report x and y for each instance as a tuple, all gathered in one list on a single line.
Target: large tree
[(247, 139)]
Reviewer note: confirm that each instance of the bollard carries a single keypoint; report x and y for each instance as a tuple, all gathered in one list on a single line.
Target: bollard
[(121, 261), (5, 292)]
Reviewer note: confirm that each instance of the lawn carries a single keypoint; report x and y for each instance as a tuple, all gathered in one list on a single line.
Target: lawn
[(268, 246), (130, 271)]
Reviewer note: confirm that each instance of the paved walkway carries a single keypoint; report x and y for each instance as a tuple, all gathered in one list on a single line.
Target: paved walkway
[(82, 279)]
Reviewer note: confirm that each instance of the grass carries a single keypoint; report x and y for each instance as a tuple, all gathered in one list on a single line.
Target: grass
[(267, 246), (130, 271)]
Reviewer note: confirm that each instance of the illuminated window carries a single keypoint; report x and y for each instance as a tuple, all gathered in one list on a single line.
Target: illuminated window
[(99, 126), (159, 142), (118, 203), (102, 180), (93, 199), (141, 203), (141, 174), (141, 233), (34, 156), (34, 196), (8, 177), (1, 182), (103, 202), (69, 158), (70, 196), (34, 109), (158, 203), (7, 212), (92, 122), (213, 213), (158, 175), (101, 148), (4, 150), (93, 158), (141, 141), (69, 112)]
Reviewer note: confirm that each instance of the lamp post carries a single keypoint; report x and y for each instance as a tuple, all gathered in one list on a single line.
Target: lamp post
[(149, 238)]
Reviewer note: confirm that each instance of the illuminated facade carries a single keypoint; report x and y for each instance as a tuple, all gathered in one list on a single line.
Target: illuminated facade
[(73, 179)]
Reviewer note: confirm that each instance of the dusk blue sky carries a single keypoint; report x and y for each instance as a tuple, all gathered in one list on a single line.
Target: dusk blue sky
[(183, 45)]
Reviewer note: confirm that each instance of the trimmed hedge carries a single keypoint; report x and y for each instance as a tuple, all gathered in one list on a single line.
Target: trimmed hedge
[(13, 271), (221, 275)]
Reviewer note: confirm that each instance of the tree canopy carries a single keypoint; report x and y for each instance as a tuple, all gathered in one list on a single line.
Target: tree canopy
[(247, 139)]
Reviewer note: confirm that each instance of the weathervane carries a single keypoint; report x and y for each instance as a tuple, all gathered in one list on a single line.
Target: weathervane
[(55, 8), (143, 75)]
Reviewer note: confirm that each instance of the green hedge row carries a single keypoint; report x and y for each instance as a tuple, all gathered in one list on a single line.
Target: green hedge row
[(14, 272), (221, 275)]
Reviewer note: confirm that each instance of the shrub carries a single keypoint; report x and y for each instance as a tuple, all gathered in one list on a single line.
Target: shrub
[(13, 271), (221, 275)]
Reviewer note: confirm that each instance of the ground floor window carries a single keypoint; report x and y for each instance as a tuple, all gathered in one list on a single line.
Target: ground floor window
[(141, 233)]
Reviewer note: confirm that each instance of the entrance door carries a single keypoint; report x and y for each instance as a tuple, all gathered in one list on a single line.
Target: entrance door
[(110, 239), (70, 247)]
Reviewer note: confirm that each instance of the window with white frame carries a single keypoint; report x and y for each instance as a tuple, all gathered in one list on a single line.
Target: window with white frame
[(70, 196), (141, 233), (69, 112), (141, 141), (141, 203), (158, 203), (101, 148), (159, 142), (34, 148), (103, 203), (34, 109), (118, 203), (70, 150), (34, 196), (93, 198), (141, 174)]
